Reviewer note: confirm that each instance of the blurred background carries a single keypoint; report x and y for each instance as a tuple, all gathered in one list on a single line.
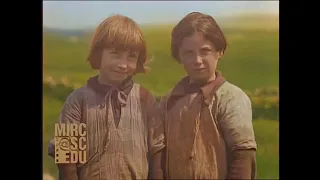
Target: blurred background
[(251, 60)]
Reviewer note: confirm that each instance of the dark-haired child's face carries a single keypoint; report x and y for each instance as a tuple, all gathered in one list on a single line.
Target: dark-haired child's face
[(199, 57), (117, 65)]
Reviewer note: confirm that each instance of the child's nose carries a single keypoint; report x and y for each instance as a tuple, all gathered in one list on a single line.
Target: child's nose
[(123, 66)]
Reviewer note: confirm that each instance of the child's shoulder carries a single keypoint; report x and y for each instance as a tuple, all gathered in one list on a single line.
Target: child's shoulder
[(229, 91), (79, 93), (145, 94)]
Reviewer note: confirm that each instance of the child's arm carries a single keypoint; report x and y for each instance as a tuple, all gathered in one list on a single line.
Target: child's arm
[(236, 124), (155, 136), (71, 113)]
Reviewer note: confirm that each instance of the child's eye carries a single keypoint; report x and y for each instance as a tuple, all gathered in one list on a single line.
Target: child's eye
[(188, 52), (114, 52), (204, 53), (133, 56)]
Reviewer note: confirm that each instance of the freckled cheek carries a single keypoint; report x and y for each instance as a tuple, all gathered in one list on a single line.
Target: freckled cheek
[(205, 63), (108, 65), (212, 64), (132, 66), (188, 68)]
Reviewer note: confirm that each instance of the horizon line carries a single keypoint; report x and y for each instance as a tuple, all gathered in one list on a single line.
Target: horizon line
[(234, 15)]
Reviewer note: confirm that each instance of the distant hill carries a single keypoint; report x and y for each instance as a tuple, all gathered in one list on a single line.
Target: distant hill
[(242, 21), (66, 32), (249, 21)]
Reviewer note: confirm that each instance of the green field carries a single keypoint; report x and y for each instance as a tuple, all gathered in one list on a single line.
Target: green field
[(251, 61)]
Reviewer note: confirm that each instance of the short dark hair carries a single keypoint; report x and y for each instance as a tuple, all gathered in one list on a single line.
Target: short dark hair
[(197, 22)]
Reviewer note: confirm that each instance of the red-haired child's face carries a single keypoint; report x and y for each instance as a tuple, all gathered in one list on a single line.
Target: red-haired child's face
[(117, 65)]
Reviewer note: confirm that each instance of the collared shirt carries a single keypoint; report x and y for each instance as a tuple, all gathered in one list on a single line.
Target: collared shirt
[(203, 125)]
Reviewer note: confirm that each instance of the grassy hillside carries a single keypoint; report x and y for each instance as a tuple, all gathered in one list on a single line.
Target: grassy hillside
[(251, 61)]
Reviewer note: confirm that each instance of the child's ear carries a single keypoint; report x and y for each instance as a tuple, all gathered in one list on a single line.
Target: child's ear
[(139, 67)]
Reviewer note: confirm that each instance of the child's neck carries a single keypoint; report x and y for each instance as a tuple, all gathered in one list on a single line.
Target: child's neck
[(205, 81), (106, 81)]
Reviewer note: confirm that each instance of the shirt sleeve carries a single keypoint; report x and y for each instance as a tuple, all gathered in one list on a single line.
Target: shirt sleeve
[(242, 165), (235, 118), (70, 113)]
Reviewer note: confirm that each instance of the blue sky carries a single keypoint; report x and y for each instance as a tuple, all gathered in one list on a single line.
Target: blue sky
[(87, 14)]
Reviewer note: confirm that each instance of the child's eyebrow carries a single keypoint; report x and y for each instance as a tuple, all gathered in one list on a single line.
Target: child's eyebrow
[(206, 48), (121, 50), (188, 50), (133, 52)]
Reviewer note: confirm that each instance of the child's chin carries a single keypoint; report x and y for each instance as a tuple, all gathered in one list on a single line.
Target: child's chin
[(119, 78)]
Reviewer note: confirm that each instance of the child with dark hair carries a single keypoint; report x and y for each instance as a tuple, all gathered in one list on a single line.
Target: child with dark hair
[(207, 120)]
